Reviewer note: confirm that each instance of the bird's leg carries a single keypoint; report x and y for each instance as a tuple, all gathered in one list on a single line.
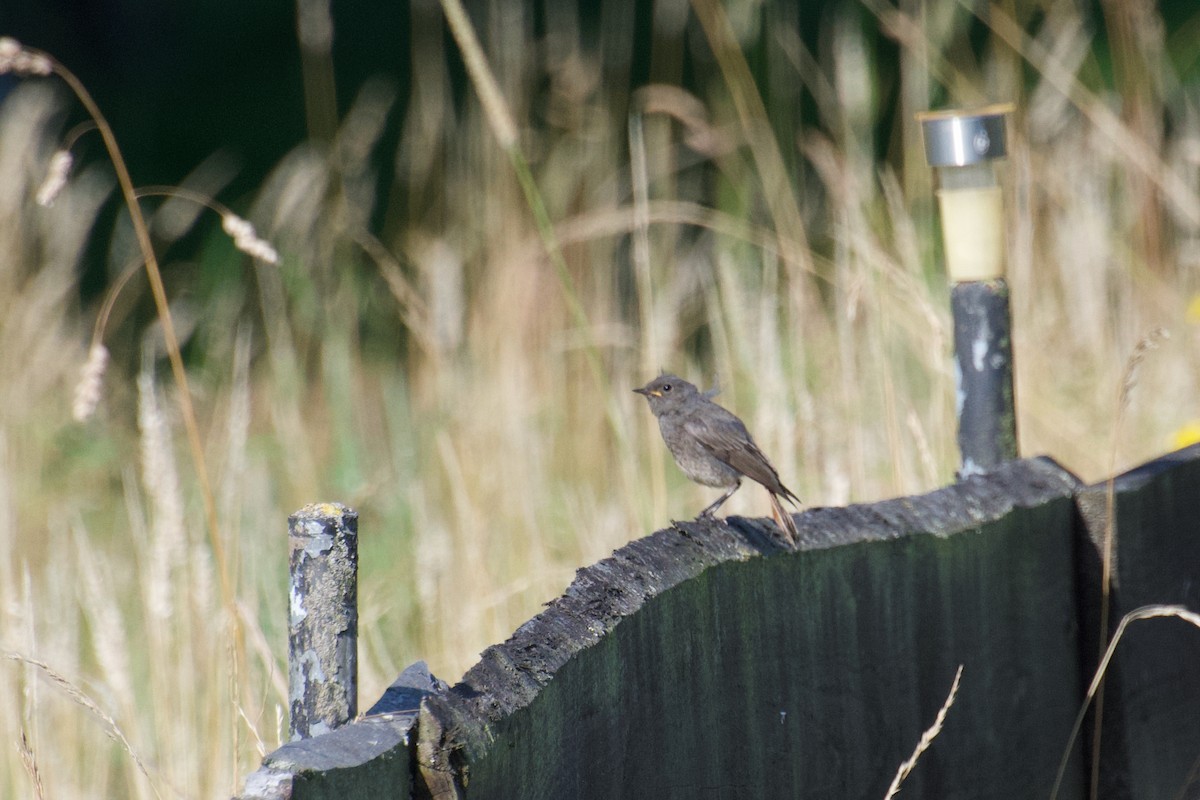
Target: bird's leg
[(712, 509)]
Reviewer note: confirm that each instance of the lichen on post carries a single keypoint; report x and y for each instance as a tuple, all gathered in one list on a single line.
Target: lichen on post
[(323, 619)]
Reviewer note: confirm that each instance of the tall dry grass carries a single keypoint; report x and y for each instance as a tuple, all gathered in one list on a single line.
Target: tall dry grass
[(440, 374)]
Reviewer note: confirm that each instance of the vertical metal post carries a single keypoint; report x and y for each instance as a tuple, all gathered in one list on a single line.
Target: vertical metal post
[(961, 146), (323, 628)]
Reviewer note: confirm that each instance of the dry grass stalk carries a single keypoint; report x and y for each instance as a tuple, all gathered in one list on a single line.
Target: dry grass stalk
[(926, 738), (1145, 345), (490, 96), (109, 639), (754, 120), (243, 233), (175, 357), (56, 177), (1093, 692), (29, 761), (18, 60), (246, 239), (168, 537), (413, 309), (91, 383), (158, 290), (500, 120), (83, 700)]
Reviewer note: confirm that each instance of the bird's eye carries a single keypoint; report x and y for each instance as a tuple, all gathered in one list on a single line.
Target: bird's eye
[(666, 387)]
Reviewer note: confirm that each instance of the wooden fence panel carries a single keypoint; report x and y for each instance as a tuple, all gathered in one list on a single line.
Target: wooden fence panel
[(1151, 741), (367, 759), (707, 662)]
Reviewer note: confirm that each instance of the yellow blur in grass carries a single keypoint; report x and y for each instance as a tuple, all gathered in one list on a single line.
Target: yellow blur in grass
[(1187, 435), (1192, 315)]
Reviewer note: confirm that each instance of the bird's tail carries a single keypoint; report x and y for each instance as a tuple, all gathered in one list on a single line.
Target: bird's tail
[(783, 519)]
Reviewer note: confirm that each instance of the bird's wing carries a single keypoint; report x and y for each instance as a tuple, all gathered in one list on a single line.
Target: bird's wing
[(724, 435)]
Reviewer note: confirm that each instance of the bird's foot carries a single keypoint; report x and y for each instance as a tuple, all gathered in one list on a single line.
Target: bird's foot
[(681, 526)]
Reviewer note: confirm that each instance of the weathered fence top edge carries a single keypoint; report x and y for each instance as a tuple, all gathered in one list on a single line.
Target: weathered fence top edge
[(383, 729), (508, 676), (1139, 476)]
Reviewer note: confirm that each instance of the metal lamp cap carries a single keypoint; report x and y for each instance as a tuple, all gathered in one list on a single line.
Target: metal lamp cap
[(956, 138)]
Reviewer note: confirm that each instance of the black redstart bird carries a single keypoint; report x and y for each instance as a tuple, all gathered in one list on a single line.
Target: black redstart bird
[(712, 446)]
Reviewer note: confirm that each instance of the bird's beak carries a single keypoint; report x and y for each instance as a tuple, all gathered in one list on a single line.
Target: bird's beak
[(648, 392)]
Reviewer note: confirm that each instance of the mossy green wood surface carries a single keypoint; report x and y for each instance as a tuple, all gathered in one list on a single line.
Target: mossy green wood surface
[(1151, 740), (809, 673), (385, 776)]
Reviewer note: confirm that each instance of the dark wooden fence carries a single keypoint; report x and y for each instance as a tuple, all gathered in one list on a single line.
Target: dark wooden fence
[(707, 661)]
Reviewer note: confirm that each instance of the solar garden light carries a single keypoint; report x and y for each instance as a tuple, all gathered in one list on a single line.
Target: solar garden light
[(962, 147)]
